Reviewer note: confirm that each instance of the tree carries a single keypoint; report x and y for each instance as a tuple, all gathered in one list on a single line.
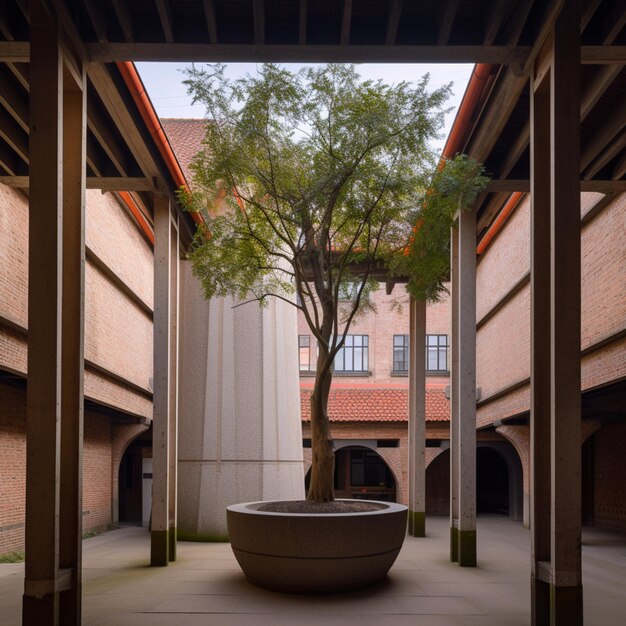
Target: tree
[(315, 183)]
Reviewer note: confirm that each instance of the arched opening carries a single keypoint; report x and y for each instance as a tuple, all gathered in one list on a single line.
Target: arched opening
[(492, 482), (438, 485), (362, 474), (135, 469)]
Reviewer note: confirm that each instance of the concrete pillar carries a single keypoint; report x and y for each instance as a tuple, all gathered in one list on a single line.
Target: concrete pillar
[(466, 389), (239, 407), (556, 580), (417, 418), (161, 436), (454, 395), (55, 329)]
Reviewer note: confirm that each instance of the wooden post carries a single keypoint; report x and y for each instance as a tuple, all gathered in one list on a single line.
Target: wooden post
[(160, 542), (73, 341), (54, 425), (466, 389), (540, 497), (454, 396), (417, 418), (173, 407)]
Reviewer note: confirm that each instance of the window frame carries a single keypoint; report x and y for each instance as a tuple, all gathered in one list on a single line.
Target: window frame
[(349, 347), (441, 353)]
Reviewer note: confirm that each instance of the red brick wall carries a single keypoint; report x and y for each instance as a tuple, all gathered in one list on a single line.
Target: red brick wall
[(96, 468), (610, 469)]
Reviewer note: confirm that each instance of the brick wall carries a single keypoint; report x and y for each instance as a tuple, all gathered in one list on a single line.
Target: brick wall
[(610, 469)]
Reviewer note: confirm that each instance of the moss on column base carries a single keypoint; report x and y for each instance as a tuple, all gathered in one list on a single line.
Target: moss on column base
[(159, 548), (454, 544), (417, 523), (566, 605), (186, 535), (172, 542), (467, 548)]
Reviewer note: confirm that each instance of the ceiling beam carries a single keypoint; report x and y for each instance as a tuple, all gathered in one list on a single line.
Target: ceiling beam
[(547, 24), (13, 101), (124, 18), (209, 17), (96, 17), (393, 21), (204, 52), (608, 153), (14, 135), (603, 55), (102, 132), (598, 186), (302, 22), (346, 21), (14, 51), (611, 125), (93, 182), (498, 10), (515, 26), (258, 11), (447, 12), (165, 16)]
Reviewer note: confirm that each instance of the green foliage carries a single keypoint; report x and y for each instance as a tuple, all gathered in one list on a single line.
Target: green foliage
[(426, 260), (15, 556), (307, 182)]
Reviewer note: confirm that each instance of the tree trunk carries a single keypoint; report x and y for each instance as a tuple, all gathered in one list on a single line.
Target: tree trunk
[(321, 487)]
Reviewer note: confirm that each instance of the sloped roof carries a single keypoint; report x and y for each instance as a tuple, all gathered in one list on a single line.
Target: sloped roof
[(185, 137), (377, 404)]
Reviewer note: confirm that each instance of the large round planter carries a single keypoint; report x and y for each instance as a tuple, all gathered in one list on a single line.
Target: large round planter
[(316, 553)]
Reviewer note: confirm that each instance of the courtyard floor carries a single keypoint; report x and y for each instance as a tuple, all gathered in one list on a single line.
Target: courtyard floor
[(205, 585)]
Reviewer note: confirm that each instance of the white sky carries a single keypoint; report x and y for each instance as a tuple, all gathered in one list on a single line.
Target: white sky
[(163, 82)]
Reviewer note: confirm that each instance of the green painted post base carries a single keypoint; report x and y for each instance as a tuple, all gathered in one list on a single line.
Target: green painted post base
[(566, 605), (454, 544), (40, 610), (172, 546), (159, 548), (417, 523), (467, 548), (539, 602)]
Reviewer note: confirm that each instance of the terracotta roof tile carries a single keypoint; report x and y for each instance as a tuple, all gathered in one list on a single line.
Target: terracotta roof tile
[(376, 404), (185, 137)]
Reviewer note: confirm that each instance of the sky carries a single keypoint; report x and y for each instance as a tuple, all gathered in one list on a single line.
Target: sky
[(169, 96)]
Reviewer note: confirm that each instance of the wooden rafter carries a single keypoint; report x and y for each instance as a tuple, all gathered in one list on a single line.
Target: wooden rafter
[(447, 13), (515, 25), (620, 168), (209, 16), (105, 183), (607, 153), (302, 22), (102, 133), (7, 159), (13, 101), (611, 126), (94, 10), (615, 21), (498, 11), (14, 135), (258, 10), (165, 16), (393, 21), (346, 21), (124, 18)]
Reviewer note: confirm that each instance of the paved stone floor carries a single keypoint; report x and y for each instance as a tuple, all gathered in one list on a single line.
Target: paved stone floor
[(205, 585)]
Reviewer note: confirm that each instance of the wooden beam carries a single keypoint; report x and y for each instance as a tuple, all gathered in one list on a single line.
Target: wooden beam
[(498, 10), (598, 186), (346, 21), (5, 30), (393, 21), (615, 20), (552, 11), (14, 135), (515, 25), (603, 55), (20, 71), (508, 186), (8, 160), (96, 17), (447, 11), (205, 52), (258, 11), (13, 101), (14, 51), (165, 15), (589, 9), (102, 132), (597, 86), (209, 16), (602, 136), (517, 149), (619, 171), (302, 22), (498, 110), (124, 18), (104, 183)]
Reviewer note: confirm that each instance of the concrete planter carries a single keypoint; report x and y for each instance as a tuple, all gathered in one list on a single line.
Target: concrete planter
[(316, 553)]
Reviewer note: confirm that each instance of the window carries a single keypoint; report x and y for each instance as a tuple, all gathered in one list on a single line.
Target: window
[(437, 353), (353, 356), (400, 353), (304, 352)]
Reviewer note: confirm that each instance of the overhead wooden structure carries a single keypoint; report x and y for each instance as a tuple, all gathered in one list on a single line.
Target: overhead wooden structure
[(561, 59)]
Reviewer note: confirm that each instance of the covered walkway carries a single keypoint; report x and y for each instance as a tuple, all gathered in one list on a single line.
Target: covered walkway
[(205, 585)]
